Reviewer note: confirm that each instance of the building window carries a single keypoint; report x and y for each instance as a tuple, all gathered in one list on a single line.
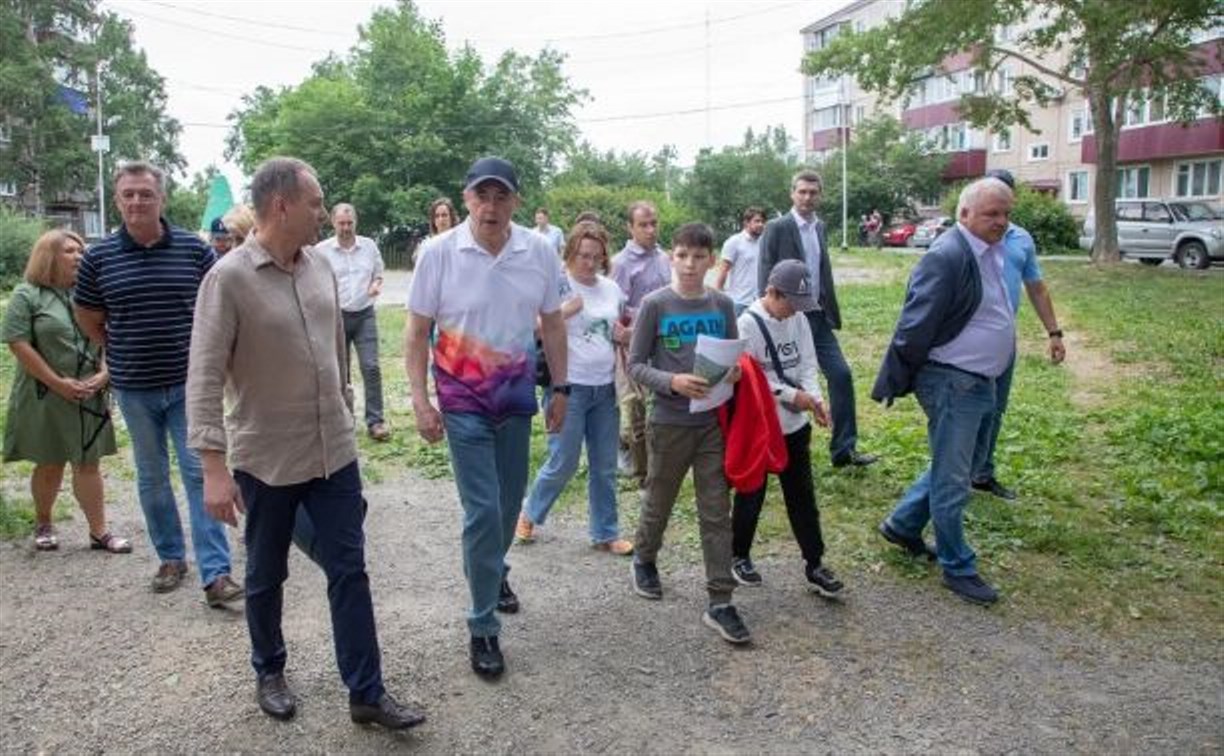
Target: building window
[(1039, 151), (1081, 124), (1002, 141), (1200, 178), (860, 114), (1133, 182), (1004, 83), (93, 229), (826, 118), (6, 132), (8, 189), (1077, 186)]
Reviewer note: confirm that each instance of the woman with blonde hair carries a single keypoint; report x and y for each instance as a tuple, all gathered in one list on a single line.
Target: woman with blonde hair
[(239, 221), (592, 307), (58, 410)]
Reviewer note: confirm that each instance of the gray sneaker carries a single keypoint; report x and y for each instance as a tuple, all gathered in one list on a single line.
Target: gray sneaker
[(169, 576)]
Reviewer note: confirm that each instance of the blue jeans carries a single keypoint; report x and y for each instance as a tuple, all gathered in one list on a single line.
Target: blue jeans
[(591, 414), (988, 434), (492, 496), (844, 434), (955, 404), (152, 415), (332, 510)]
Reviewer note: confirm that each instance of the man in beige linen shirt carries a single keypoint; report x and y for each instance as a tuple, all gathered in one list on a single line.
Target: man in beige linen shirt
[(269, 321)]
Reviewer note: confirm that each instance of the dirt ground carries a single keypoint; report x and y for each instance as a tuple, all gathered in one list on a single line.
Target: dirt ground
[(92, 661)]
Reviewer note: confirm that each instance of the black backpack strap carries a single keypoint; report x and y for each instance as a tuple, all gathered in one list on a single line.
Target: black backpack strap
[(772, 350)]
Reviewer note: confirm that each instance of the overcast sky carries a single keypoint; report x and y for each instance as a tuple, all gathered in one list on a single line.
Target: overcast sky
[(645, 64)]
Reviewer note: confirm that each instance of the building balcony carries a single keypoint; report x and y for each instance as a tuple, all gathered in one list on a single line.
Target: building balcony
[(827, 139), (929, 116), (965, 164), (1162, 140)]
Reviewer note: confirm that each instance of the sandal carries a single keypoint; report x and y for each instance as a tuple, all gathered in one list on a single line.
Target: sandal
[(44, 538), (110, 542)]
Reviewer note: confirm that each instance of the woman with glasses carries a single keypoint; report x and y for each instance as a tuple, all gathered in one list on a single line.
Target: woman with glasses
[(58, 411)]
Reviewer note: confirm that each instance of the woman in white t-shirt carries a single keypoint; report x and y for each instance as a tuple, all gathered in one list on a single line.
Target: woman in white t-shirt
[(592, 311)]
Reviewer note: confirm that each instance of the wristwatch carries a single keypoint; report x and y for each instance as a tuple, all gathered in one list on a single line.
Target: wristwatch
[(1056, 334), (562, 388)]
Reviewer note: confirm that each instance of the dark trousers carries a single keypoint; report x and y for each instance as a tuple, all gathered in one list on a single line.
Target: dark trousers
[(798, 492), (361, 330), (336, 512), (836, 370)]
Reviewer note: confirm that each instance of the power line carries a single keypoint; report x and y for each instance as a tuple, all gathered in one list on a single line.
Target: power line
[(230, 35)]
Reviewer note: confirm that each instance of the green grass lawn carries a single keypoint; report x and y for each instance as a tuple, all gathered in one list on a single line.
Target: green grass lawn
[(1117, 454)]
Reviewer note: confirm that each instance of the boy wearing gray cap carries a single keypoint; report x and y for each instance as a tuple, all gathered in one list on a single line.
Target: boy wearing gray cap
[(780, 340)]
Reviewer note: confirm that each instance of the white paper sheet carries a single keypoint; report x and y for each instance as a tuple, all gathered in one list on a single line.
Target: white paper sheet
[(714, 359)]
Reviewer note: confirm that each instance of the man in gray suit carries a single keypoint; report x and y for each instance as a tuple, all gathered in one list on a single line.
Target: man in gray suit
[(800, 235)]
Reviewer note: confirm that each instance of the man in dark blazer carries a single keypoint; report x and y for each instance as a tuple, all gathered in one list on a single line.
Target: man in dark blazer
[(955, 336), (800, 235)]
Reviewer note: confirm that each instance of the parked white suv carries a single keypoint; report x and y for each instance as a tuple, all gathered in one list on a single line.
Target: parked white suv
[(1155, 230)]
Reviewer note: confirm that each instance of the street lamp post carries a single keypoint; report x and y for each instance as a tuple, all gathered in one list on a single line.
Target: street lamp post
[(100, 143)]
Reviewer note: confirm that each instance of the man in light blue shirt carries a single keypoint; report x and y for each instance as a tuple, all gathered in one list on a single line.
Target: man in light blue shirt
[(1020, 266), (550, 232)]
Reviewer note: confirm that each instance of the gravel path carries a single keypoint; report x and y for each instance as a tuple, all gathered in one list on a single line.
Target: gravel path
[(92, 661)]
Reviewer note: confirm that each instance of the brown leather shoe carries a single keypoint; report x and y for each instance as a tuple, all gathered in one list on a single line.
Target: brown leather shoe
[(223, 591), (169, 576), (380, 432)]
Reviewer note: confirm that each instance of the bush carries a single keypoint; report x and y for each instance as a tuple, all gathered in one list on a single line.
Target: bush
[(1044, 216), (566, 202), (17, 236)]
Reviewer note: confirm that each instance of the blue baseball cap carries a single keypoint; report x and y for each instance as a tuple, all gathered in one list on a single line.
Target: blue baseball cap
[(491, 169)]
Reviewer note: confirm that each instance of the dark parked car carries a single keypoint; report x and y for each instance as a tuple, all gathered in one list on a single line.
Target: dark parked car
[(899, 234), (1155, 230)]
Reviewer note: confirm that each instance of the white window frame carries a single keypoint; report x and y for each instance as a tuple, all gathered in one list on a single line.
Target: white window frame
[(1071, 182), (1189, 165), (1124, 171), (1033, 158), (1005, 81), (8, 189), (1079, 115), (998, 139)]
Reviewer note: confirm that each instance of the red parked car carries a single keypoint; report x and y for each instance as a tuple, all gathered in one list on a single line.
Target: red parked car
[(899, 234)]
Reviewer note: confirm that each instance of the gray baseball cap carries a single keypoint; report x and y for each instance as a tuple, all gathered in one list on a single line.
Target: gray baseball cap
[(794, 280)]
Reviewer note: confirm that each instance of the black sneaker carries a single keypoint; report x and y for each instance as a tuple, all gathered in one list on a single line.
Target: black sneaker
[(917, 547), (646, 581), (487, 659), (993, 487), (726, 622), (971, 588), (745, 572), (507, 602), (822, 581)]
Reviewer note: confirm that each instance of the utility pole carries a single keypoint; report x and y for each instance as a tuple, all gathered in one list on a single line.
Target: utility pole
[(707, 77), (101, 145), (843, 119)]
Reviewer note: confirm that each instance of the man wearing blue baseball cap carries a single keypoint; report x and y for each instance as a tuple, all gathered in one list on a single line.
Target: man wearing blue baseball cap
[(219, 237), (484, 284)]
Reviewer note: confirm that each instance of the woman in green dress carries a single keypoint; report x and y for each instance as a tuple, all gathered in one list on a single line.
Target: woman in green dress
[(58, 411)]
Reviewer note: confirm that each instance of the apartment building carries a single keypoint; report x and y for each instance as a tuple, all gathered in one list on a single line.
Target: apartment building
[(1157, 157)]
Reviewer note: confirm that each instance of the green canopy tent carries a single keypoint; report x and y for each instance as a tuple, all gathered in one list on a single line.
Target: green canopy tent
[(220, 200)]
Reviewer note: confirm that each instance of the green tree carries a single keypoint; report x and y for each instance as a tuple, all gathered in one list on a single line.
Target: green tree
[(1106, 50), (757, 172), (48, 87), (887, 168), (587, 165), (396, 122), (1053, 227), (185, 203)]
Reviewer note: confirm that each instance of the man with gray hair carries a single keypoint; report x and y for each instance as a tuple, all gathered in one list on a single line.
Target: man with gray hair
[(269, 325), (800, 235), (135, 293), (358, 266), (955, 336)]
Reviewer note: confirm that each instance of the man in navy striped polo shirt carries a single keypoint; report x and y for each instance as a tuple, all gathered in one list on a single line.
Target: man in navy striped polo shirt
[(135, 294)]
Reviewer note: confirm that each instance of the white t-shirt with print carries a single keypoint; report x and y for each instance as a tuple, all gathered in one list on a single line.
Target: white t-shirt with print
[(592, 357)]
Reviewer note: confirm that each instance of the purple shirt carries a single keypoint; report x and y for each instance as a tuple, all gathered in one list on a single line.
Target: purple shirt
[(987, 342), (638, 272)]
